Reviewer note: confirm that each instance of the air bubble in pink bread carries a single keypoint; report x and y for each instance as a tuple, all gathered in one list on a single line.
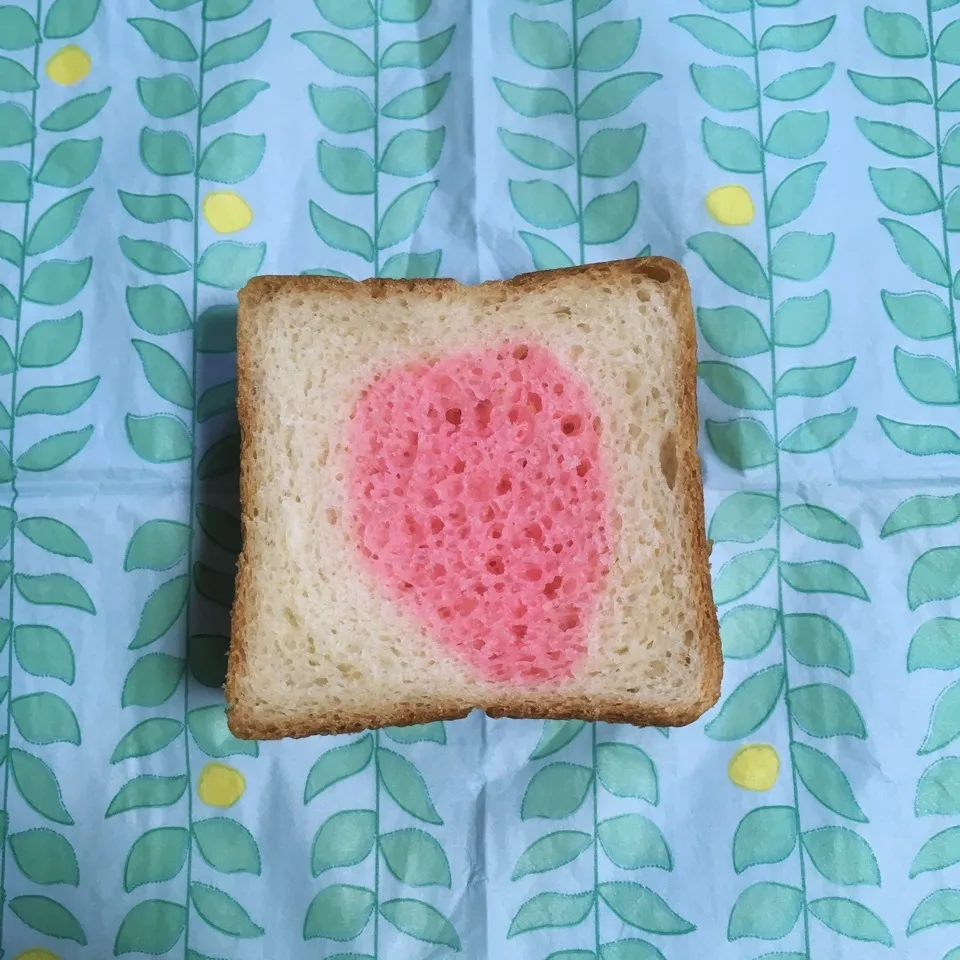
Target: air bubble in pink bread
[(479, 502)]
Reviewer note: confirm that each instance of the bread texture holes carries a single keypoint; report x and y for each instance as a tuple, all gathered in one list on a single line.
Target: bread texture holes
[(656, 273), (668, 459), (461, 452)]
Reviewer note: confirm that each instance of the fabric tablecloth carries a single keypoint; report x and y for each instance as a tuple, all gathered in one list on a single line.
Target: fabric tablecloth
[(799, 157)]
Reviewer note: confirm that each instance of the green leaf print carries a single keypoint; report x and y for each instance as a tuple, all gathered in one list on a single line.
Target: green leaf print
[(420, 921), (556, 791), (822, 776), (818, 523), (799, 84), (890, 91), (632, 841), (146, 738), (551, 852), (551, 910), (39, 786), (165, 39), (732, 148), (733, 331), (741, 574), (406, 786), (625, 770), (716, 35), (935, 575), (339, 912), (44, 718), (725, 88), (640, 907), (935, 645), (222, 912), (918, 253), (156, 856), (75, 113), (555, 735), (765, 910), (417, 54), (611, 152), (743, 518), (747, 630), (941, 851), (938, 789), (47, 916), (415, 858), (732, 262), (45, 856), (147, 790), (344, 839), (927, 379), (227, 845), (764, 835), (896, 35), (797, 37), (794, 194), (542, 203), (742, 444), (842, 856), (768, 910), (894, 139), (825, 710), (852, 919), (611, 97), (152, 926), (734, 386)]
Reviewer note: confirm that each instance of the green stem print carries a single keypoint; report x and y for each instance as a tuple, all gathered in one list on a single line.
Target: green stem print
[(930, 380), (920, 315), (793, 671), (359, 116), (608, 152), (377, 147), (39, 211), (559, 791), (583, 56), (343, 912), (193, 555)]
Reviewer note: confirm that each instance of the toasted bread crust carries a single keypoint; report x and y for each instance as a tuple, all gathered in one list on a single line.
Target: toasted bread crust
[(245, 722)]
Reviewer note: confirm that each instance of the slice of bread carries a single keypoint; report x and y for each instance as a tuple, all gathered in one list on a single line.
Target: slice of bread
[(458, 497)]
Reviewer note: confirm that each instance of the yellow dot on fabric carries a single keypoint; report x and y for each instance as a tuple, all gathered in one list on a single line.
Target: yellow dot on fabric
[(226, 211), (731, 205), (220, 785), (36, 953), (755, 767), (69, 65)]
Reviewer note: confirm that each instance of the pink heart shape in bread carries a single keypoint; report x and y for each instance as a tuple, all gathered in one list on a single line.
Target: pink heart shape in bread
[(479, 502)]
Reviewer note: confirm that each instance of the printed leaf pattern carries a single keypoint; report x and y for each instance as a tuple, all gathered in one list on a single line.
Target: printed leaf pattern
[(770, 405), (356, 839), (563, 793), (912, 182), (383, 153), (574, 126), (373, 157), (44, 559), (182, 566), (573, 188), (581, 180)]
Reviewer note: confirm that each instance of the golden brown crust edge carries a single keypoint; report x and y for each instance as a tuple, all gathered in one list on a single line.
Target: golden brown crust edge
[(247, 726), (244, 724), (236, 659), (690, 478)]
